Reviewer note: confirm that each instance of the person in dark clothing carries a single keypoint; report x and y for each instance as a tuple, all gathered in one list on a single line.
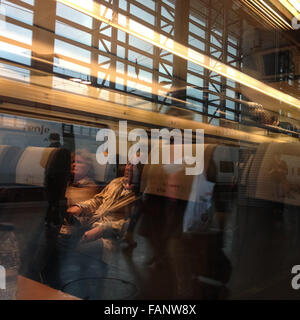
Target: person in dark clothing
[(54, 139)]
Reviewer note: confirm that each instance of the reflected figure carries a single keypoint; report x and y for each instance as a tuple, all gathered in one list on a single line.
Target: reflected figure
[(101, 215), (56, 177), (278, 174), (82, 175), (61, 231), (81, 186)]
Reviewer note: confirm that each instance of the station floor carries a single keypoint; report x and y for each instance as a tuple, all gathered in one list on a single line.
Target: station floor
[(86, 273), (261, 255)]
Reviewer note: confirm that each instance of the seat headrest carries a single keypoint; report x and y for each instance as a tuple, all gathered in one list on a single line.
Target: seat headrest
[(104, 172), (9, 157), (171, 181), (32, 164)]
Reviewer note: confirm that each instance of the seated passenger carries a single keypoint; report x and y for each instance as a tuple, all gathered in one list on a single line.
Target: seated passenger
[(81, 186), (101, 214)]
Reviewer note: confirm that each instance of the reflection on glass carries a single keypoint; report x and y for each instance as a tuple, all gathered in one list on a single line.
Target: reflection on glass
[(12, 31), (69, 32), (14, 72), (72, 51), (73, 15), (17, 12), (15, 53)]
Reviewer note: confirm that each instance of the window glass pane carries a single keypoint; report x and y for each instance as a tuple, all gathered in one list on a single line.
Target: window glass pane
[(166, 56), (211, 110), (16, 12), (198, 19), (196, 30), (103, 59), (215, 41), (214, 98), (16, 33), (105, 29), (166, 14), (140, 59), (194, 93), (119, 83), (145, 76), (106, 12), (14, 72), (230, 104), (164, 68), (15, 53), (230, 93), (31, 2), (229, 115), (69, 32), (73, 15), (195, 68), (196, 43), (121, 52), (141, 14), (104, 45), (123, 4), (69, 68), (132, 71), (140, 44), (194, 104), (195, 80), (120, 67), (149, 3), (72, 51), (170, 3), (121, 36), (232, 50)]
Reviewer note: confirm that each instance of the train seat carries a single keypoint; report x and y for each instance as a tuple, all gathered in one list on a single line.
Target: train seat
[(103, 174), (31, 167), (28, 170)]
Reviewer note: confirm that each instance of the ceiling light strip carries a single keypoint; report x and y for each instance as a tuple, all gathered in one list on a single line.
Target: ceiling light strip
[(295, 4), (266, 12), (188, 54), (275, 13), (289, 7), (257, 12)]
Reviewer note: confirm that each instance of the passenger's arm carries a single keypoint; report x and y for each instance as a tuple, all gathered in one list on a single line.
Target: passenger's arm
[(74, 210), (92, 234), (106, 229), (88, 207)]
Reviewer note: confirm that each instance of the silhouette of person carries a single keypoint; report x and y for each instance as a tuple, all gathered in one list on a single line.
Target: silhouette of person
[(54, 139)]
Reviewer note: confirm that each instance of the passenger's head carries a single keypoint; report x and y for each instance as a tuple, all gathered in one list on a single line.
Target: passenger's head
[(81, 166), (54, 137)]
